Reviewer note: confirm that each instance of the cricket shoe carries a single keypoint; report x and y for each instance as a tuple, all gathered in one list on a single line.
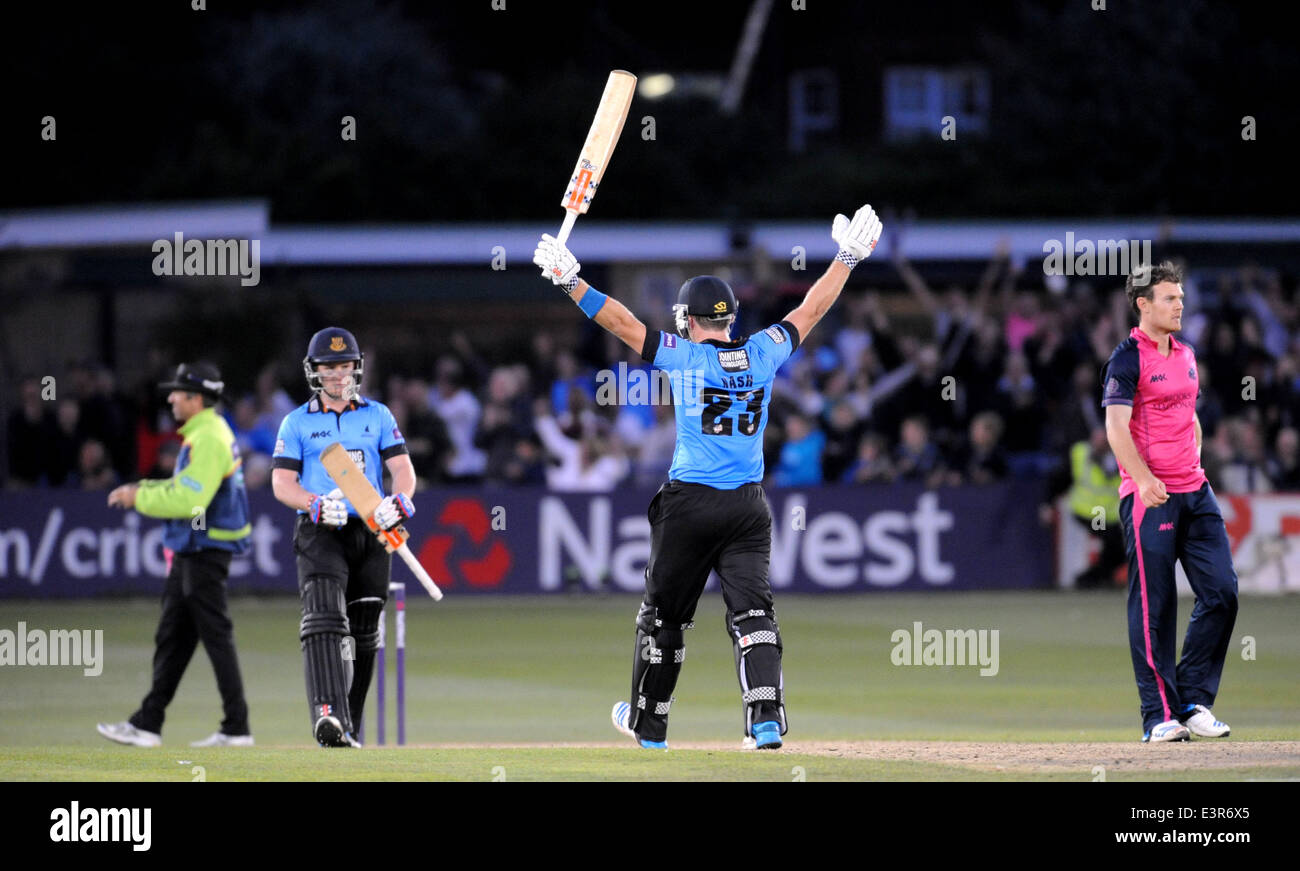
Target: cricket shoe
[(619, 715), (1169, 730), (767, 735), (221, 739), (125, 733), (1200, 722), (329, 733)]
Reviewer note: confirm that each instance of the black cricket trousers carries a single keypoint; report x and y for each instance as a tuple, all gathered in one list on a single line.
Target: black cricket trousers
[(194, 609)]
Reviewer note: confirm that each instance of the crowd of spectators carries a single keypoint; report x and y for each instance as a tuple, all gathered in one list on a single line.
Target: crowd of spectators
[(939, 388)]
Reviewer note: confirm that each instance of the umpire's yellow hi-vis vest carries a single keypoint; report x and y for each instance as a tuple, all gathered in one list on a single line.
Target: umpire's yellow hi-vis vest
[(204, 501)]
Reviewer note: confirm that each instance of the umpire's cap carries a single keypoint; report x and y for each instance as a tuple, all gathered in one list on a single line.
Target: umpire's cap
[(202, 378), (707, 296), (333, 345)]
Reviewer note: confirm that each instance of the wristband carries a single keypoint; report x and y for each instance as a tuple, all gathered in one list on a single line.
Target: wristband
[(846, 258), (591, 302)]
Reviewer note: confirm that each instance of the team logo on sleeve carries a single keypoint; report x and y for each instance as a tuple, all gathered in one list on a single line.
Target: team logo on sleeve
[(397, 433), (1112, 387), (1191, 372), (279, 447), (734, 361), (776, 334), (670, 341)]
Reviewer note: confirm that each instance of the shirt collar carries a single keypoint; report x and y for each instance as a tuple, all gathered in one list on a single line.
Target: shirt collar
[(1137, 333), (196, 421), (719, 343), (316, 405)]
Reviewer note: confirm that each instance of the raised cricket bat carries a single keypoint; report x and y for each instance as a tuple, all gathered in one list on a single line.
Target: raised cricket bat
[(596, 151), (365, 498)]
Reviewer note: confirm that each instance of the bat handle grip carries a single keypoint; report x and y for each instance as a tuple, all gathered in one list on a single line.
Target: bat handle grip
[(418, 570), (570, 218)]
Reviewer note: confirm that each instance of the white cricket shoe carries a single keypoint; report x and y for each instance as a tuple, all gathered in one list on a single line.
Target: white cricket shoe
[(620, 716), (125, 733), (1169, 730), (1201, 723), (221, 739)]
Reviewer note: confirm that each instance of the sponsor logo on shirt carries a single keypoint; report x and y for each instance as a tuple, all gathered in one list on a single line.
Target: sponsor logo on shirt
[(279, 447), (670, 341), (1187, 400), (776, 334), (397, 434), (734, 361), (359, 457), (320, 435), (1155, 378), (1112, 387)]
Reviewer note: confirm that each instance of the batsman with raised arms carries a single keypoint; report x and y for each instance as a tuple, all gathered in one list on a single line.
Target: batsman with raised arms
[(343, 569), (712, 514)]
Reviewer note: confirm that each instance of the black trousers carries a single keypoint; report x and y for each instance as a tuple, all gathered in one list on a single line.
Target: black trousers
[(351, 556), (194, 609), (695, 529)]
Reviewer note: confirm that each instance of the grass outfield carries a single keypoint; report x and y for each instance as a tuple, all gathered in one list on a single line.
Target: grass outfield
[(492, 672)]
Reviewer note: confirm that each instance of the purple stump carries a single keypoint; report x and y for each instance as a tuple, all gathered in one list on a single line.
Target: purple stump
[(381, 668), (399, 598)]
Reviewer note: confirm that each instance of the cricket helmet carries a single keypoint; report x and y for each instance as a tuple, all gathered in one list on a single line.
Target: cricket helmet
[(333, 345), (704, 296)]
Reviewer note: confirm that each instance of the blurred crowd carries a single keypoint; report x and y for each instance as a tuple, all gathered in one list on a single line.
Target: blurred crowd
[(936, 386)]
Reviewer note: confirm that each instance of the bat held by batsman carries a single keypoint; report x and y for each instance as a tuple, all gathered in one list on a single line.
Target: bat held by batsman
[(366, 499)]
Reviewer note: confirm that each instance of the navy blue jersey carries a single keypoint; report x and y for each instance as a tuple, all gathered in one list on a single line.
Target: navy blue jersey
[(721, 391), (366, 429)]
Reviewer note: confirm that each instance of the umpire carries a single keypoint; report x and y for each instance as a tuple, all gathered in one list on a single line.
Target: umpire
[(712, 514), (206, 509)]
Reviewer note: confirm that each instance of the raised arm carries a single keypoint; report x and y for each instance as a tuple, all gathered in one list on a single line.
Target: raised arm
[(560, 266), (857, 239)]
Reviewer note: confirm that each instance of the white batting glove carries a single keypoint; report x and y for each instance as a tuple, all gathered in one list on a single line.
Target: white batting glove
[(557, 263), (329, 510), (857, 238), (394, 511)]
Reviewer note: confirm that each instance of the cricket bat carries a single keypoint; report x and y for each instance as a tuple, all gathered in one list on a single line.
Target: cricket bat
[(596, 151), (365, 498)]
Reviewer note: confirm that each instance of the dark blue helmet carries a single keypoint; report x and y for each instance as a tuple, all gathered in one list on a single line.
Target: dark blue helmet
[(333, 345), (704, 296)]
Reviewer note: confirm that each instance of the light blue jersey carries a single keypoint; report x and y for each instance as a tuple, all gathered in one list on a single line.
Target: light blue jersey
[(721, 391), (366, 429)]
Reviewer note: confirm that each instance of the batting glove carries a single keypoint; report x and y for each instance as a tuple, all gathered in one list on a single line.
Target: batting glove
[(393, 511), (857, 238), (557, 263), (329, 510)]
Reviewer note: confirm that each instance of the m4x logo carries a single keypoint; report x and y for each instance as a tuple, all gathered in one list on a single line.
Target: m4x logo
[(1155, 378), (320, 435)]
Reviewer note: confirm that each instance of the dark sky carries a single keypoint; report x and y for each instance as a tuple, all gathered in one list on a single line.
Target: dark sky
[(465, 111)]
